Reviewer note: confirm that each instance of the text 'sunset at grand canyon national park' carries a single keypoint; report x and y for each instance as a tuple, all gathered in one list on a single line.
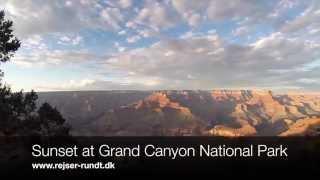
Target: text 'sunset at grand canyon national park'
[(159, 87)]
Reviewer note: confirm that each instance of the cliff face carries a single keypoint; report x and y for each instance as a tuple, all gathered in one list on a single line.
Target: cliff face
[(263, 113), (217, 113), (156, 115), (306, 126), (224, 112), (257, 112)]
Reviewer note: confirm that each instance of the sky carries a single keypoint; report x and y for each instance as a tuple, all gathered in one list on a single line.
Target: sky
[(165, 44)]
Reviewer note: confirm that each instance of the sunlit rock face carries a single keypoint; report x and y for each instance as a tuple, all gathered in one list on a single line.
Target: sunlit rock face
[(306, 126), (157, 114), (266, 113), (185, 112)]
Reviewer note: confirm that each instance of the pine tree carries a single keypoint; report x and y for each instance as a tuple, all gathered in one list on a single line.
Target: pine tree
[(9, 44), (18, 110)]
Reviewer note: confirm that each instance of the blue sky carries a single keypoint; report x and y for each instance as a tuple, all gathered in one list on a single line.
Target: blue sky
[(167, 44)]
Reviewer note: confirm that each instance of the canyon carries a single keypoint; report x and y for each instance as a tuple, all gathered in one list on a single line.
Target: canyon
[(230, 113)]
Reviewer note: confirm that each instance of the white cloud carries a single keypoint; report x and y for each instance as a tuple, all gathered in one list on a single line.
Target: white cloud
[(70, 40), (45, 16), (77, 40), (169, 53), (240, 31), (219, 10), (307, 18), (288, 3), (194, 20), (131, 24), (133, 39), (68, 3), (119, 47), (217, 63), (309, 81), (212, 31), (42, 58), (146, 33), (282, 6), (195, 59), (125, 3), (72, 84), (314, 31), (188, 34), (185, 6), (156, 16), (34, 42), (35, 17), (65, 39), (123, 32), (69, 85), (193, 12), (95, 84), (112, 17)]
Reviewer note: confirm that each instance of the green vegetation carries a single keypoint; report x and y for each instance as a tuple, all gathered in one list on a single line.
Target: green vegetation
[(18, 112)]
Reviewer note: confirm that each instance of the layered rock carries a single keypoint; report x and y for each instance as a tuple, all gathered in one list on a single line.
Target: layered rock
[(154, 115), (307, 126), (249, 112), (217, 112)]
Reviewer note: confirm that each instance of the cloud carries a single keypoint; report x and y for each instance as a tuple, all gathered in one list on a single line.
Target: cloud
[(44, 58), (194, 20), (69, 85), (125, 3), (119, 47), (70, 40), (308, 18), (191, 11), (282, 6), (133, 39), (212, 62), (240, 31), (156, 16), (219, 10), (111, 17), (46, 16), (122, 32), (308, 81), (34, 42), (90, 84), (188, 55), (146, 33), (195, 12)]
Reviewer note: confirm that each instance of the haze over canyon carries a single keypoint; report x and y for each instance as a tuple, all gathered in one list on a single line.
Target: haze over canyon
[(188, 113)]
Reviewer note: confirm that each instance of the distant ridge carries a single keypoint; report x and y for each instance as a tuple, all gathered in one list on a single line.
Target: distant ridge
[(188, 112)]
